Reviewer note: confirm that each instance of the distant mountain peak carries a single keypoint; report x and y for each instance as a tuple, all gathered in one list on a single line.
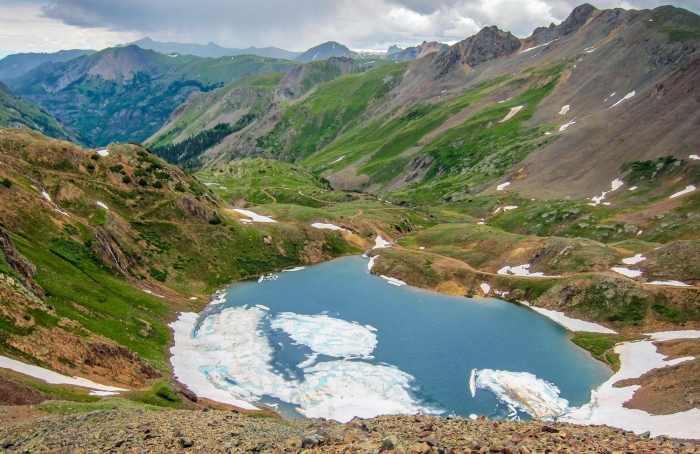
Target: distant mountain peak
[(325, 51)]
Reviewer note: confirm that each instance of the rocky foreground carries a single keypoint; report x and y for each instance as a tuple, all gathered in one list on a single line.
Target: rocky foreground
[(219, 431)]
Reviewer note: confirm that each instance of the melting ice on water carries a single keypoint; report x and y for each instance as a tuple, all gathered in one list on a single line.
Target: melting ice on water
[(523, 391)]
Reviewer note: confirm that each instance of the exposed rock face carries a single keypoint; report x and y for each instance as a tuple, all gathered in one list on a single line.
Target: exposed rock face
[(19, 264), (292, 85), (195, 208), (490, 43), (413, 53)]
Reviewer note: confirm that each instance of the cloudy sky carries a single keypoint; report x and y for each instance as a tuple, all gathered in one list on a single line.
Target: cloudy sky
[(47, 26)]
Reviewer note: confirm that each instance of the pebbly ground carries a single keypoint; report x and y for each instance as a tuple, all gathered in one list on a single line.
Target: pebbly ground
[(225, 431)]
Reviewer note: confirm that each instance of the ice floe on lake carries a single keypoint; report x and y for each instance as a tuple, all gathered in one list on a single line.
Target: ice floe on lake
[(52, 377), (321, 225), (393, 281), (572, 323), (296, 268), (688, 189), (228, 358), (253, 216), (524, 392), (634, 260), (341, 390), (326, 335)]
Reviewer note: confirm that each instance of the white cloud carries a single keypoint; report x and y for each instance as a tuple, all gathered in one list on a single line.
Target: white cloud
[(290, 24)]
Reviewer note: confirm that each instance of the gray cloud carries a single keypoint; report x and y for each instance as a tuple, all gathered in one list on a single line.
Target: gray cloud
[(299, 24)]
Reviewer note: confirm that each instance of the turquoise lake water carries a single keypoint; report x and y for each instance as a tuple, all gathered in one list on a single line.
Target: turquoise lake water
[(436, 339)]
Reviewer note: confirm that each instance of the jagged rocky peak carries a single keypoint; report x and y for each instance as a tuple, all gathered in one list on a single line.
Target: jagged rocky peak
[(490, 43)]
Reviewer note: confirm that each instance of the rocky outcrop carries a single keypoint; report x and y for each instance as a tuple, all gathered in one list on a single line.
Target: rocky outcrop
[(20, 264), (413, 53), (195, 208), (490, 43), (300, 79)]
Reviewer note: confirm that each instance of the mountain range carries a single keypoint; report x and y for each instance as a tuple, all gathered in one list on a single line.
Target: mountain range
[(211, 50)]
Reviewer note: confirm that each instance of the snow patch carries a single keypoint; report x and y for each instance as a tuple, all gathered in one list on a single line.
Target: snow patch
[(510, 207), (626, 271), (513, 111), (100, 204), (564, 110), (573, 324), (103, 152), (565, 126), (687, 190), (381, 243), (606, 405), (670, 283), (537, 47), (520, 270), (337, 160), (634, 260), (502, 186), (694, 157), (627, 96), (254, 217), (370, 264), (486, 288), (321, 225), (52, 377)]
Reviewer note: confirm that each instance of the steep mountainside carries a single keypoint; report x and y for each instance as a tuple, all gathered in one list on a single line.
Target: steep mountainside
[(211, 50), (413, 53), (326, 50), (436, 125), (126, 94), (17, 64), (18, 113), (238, 104)]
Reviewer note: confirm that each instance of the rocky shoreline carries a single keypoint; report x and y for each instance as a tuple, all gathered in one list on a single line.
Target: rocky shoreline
[(231, 432)]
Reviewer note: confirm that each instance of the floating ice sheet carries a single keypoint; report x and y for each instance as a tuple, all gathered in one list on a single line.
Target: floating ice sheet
[(326, 335), (523, 391), (342, 390)]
